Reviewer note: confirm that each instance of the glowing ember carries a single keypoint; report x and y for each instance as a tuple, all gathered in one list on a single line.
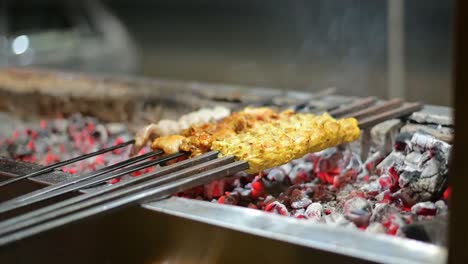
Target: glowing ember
[(61, 139), (380, 195), (335, 187)]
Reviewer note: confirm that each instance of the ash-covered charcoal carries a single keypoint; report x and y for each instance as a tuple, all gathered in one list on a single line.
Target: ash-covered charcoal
[(275, 174), (314, 212), (229, 198), (358, 210), (424, 118), (441, 207), (338, 219), (214, 189), (424, 208), (299, 199), (301, 172), (370, 165), (416, 169), (337, 166), (376, 228), (424, 170), (381, 195), (277, 208), (437, 131), (54, 140)]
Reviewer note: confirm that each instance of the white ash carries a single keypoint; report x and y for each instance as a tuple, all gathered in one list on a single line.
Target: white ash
[(376, 228), (395, 158), (276, 174), (299, 199), (381, 210), (278, 208), (442, 207), (439, 132), (314, 212), (299, 213), (286, 168), (358, 210), (372, 187), (116, 128), (370, 165), (337, 219), (419, 207), (305, 168), (424, 142), (422, 166), (350, 172), (423, 118), (421, 181)]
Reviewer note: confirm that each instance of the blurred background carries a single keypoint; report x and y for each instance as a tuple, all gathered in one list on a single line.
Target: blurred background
[(363, 47)]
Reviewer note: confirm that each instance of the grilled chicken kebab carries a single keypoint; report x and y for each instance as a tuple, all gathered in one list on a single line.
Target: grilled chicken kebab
[(170, 127), (261, 136)]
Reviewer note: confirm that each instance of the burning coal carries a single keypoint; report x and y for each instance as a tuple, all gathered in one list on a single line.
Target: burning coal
[(382, 194)]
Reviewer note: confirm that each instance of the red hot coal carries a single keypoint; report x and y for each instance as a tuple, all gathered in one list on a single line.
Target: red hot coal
[(381, 195)]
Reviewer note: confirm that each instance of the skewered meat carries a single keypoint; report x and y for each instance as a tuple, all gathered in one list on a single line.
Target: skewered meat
[(277, 142), (172, 127), (263, 137), (199, 138), (169, 144)]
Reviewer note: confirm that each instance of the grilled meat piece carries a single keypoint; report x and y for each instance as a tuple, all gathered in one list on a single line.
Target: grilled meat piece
[(171, 127), (263, 137), (199, 138), (169, 144), (277, 142)]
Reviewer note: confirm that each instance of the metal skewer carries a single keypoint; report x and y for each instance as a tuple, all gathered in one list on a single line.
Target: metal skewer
[(85, 176), (356, 106), (394, 113), (63, 163), (17, 220), (168, 184), (385, 106), (15, 204)]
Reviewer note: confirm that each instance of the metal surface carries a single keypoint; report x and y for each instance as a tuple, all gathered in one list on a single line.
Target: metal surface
[(372, 247), (356, 106), (385, 106), (398, 112)]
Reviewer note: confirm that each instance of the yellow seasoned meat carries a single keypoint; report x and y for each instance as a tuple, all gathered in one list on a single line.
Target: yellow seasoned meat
[(273, 143), (199, 137)]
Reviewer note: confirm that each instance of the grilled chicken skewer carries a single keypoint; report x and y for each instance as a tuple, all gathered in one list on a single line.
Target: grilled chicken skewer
[(262, 137), (172, 127)]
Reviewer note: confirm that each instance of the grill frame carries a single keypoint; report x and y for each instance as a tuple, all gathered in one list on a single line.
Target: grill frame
[(217, 221), (224, 221)]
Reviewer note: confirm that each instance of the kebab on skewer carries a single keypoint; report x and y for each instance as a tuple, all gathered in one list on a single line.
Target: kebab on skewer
[(172, 127), (262, 137)]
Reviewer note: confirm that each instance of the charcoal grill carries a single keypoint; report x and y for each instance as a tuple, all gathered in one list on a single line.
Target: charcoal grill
[(224, 229), (178, 230)]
